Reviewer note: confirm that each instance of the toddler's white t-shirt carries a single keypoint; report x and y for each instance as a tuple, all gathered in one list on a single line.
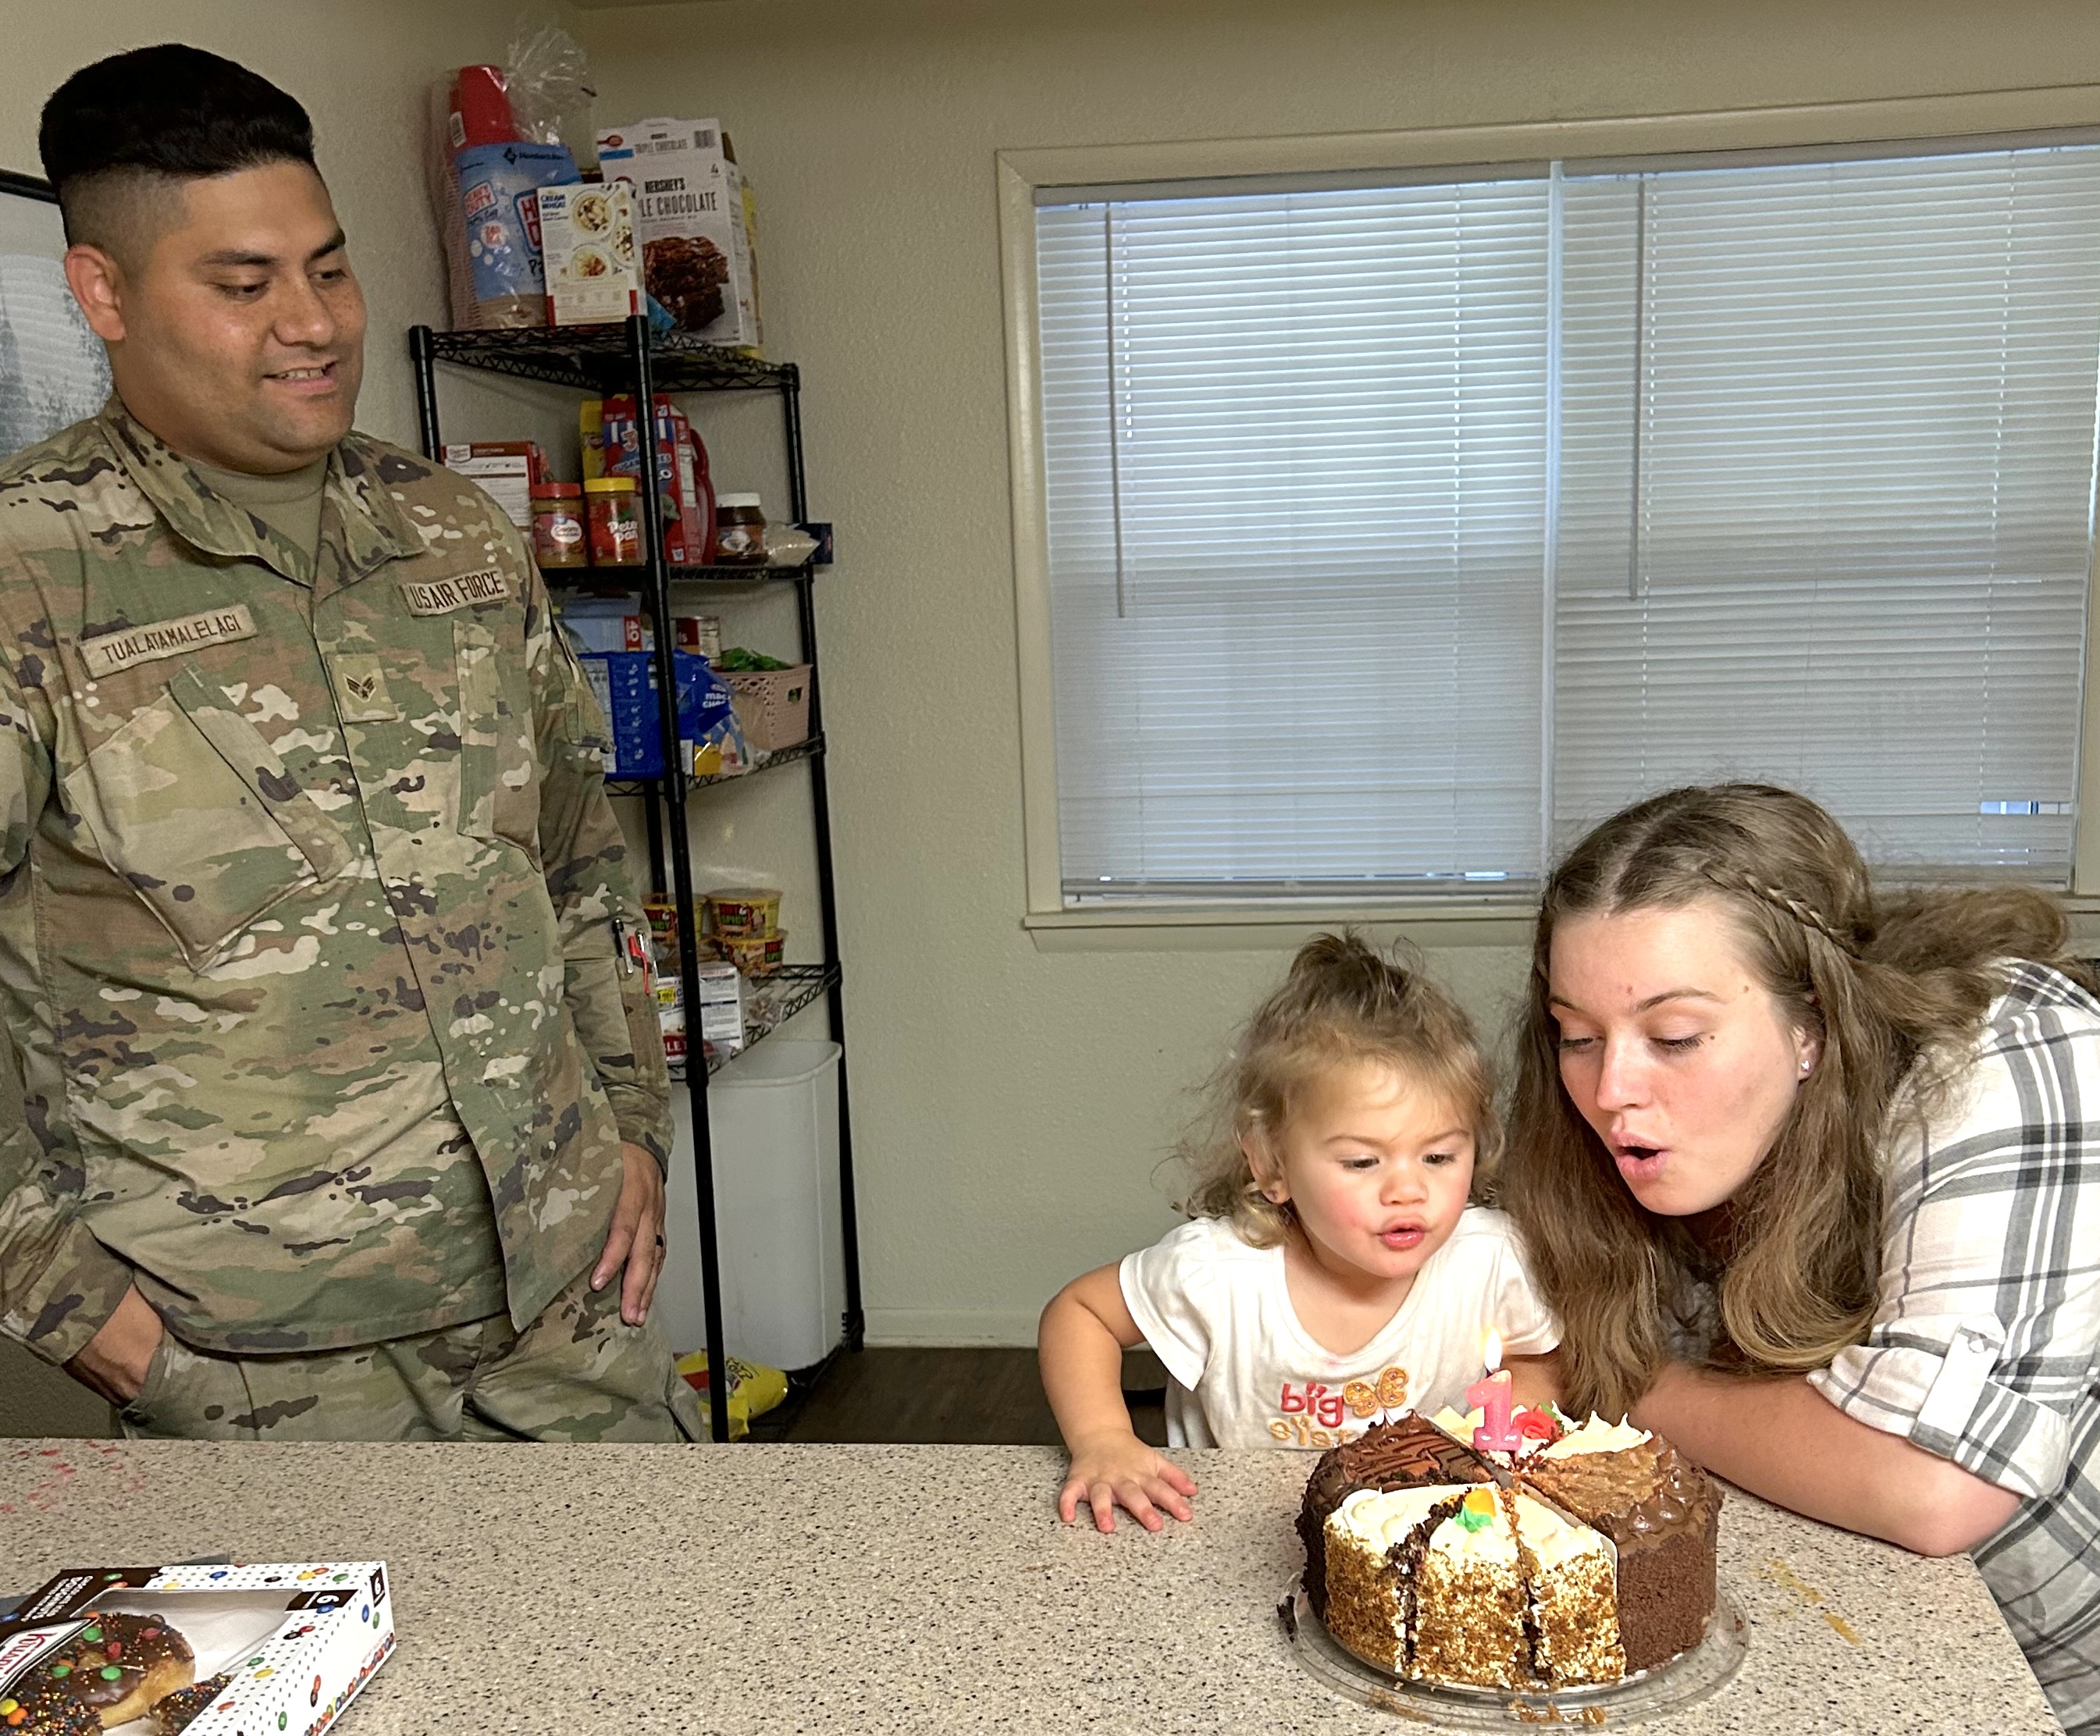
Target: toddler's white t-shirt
[(1244, 1373)]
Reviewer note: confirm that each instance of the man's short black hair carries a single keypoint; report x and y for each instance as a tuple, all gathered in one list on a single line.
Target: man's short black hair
[(172, 112)]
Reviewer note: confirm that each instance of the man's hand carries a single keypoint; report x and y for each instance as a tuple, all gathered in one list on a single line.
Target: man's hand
[(1116, 1468), (113, 1362), (636, 1239)]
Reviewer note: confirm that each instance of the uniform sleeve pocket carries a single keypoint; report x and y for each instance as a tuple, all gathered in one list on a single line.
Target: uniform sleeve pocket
[(498, 764), (191, 807)]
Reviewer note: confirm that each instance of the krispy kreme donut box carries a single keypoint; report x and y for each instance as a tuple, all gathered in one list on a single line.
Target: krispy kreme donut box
[(242, 1648)]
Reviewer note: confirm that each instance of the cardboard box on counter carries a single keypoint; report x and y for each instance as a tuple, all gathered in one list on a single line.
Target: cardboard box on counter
[(696, 225), (294, 1641)]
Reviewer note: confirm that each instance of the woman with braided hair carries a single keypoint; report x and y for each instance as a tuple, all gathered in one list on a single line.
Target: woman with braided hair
[(1810, 1174)]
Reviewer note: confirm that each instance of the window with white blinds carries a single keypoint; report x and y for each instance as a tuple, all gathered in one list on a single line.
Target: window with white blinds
[(1397, 534)]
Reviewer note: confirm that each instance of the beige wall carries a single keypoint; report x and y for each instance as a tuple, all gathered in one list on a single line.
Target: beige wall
[(1011, 1104)]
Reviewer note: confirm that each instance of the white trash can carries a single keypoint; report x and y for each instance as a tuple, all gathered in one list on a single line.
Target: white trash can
[(774, 1114)]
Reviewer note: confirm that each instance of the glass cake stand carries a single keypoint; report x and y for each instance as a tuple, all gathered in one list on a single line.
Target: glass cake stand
[(1688, 1677)]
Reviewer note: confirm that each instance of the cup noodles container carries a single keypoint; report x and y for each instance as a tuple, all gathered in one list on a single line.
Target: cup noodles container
[(671, 1013), (755, 954), (509, 470), (295, 1641), (699, 259), (587, 235), (737, 913), (663, 913)]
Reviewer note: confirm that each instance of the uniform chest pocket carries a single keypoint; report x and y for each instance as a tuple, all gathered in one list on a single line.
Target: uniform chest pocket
[(499, 757), (193, 809)]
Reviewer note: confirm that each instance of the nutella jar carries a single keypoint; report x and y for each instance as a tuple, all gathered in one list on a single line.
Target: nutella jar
[(557, 524), (739, 530)]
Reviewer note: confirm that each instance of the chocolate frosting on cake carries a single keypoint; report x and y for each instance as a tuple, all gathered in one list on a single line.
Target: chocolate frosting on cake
[(1663, 1512), (1637, 1492), (110, 1660)]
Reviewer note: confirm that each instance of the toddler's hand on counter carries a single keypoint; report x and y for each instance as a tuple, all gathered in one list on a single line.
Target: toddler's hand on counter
[(1120, 1470)]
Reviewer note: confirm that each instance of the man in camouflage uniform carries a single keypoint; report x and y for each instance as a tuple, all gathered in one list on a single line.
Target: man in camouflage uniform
[(342, 1108)]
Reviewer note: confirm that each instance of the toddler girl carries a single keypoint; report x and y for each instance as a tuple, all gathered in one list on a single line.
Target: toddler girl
[(1337, 1275)]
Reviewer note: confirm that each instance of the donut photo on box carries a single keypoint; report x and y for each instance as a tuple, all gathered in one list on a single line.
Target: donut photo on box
[(211, 1650)]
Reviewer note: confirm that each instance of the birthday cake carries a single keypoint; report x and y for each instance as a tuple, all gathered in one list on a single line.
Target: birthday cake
[(1585, 1556)]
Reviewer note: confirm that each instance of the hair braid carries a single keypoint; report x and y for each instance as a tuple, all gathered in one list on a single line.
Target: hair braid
[(1734, 879)]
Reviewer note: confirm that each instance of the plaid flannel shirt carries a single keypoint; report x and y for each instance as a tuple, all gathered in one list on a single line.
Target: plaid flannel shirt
[(1986, 1347)]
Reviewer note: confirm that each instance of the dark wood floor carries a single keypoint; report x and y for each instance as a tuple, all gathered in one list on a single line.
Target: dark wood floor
[(945, 1397)]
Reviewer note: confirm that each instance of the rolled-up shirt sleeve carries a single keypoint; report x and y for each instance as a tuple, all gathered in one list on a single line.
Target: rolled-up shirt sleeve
[(1983, 1342)]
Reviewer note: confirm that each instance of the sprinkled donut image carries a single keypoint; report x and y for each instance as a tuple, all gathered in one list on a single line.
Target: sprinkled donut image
[(113, 1671), (172, 1713), (41, 1707)]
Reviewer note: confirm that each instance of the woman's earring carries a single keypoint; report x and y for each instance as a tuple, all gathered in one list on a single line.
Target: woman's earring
[(1806, 1068)]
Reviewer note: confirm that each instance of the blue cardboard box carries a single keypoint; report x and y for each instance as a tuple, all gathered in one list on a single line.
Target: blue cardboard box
[(625, 684)]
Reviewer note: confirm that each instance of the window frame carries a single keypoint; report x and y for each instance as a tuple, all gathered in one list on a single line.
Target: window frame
[(1980, 117)]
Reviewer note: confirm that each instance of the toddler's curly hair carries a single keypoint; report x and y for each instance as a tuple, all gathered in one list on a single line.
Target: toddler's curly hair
[(1345, 1002)]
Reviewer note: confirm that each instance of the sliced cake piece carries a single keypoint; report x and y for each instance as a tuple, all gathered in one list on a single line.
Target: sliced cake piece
[(1661, 1511), (1470, 1601), (1573, 1574), (1373, 1553)]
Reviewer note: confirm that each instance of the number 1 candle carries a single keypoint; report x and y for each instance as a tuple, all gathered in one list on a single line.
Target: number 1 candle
[(1491, 1394)]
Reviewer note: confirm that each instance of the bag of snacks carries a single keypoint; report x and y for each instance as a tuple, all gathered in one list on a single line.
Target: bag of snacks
[(753, 1389), (496, 140), (711, 728)]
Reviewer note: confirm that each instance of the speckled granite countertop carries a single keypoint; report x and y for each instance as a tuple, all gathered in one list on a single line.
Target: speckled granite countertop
[(728, 1589)]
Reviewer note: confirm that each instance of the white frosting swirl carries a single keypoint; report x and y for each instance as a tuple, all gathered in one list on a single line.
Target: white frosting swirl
[(1553, 1539), (1379, 1519), (1494, 1542), (1596, 1435)]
